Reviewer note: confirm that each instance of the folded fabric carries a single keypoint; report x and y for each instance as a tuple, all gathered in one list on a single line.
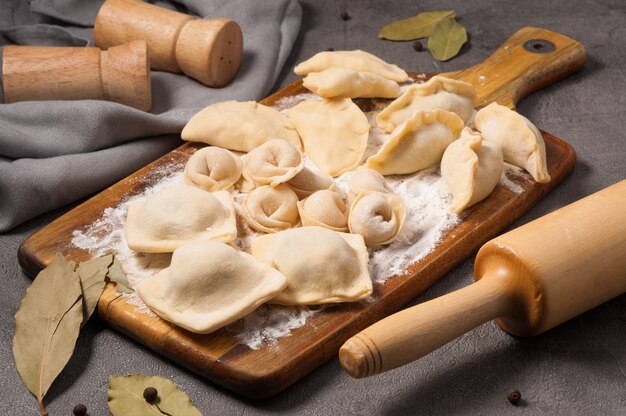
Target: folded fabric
[(55, 152)]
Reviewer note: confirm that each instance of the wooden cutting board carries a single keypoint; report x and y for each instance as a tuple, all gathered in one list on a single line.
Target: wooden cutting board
[(529, 60)]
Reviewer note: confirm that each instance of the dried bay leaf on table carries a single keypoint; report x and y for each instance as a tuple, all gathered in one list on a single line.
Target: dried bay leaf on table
[(126, 397), (47, 326), (416, 27), (447, 39), (92, 274), (116, 274)]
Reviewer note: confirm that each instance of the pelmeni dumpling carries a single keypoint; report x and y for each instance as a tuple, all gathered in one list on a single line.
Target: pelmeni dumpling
[(366, 179), (334, 133), (348, 83), (209, 285), (357, 60), (377, 216), (326, 209), (521, 142), (177, 215), (272, 163), (308, 181), (418, 143), (212, 169), (439, 92), (472, 168), (271, 209), (321, 266), (239, 126)]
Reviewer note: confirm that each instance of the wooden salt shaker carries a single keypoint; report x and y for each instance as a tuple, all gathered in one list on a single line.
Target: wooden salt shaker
[(121, 74), (208, 50)]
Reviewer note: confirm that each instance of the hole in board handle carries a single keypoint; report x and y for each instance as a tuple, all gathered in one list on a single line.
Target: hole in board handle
[(539, 46)]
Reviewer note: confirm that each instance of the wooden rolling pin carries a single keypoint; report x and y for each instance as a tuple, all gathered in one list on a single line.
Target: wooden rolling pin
[(531, 279), (121, 74), (208, 50)]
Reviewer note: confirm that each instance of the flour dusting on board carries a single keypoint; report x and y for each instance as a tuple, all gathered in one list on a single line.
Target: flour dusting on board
[(425, 195)]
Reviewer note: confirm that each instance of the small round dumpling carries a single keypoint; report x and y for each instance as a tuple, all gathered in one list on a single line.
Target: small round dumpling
[(270, 210), (272, 163), (209, 285), (308, 181), (366, 179), (212, 169), (326, 209), (377, 216)]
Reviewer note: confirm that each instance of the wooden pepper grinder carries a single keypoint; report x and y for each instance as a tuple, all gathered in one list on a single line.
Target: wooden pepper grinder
[(208, 50), (121, 74)]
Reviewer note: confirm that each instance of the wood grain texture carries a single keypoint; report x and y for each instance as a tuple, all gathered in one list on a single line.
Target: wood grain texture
[(35, 73), (208, 50), (271, 369)]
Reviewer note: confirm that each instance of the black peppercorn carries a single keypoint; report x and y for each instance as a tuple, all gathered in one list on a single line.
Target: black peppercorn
[(79, 410), (514, 396), (345, 15), (150, 394), (417, 45)]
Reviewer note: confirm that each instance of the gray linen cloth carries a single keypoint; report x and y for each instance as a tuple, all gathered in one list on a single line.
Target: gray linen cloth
[(55, 152)]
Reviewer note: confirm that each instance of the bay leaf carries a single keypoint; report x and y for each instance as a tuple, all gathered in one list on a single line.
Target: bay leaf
[(126, 397), (47, 324), (92, 274), (416, 27), (447, 39), (116, 274)]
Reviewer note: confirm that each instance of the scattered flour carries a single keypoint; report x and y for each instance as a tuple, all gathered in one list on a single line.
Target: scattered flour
[(425, 195)]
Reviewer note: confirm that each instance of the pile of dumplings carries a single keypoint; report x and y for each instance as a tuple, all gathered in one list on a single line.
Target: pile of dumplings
[(311, 237)]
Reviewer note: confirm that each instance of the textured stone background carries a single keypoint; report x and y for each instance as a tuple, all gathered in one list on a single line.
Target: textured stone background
[(577, 368)]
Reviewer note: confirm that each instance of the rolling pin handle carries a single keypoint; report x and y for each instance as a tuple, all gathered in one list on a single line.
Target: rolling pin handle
[(414, 332)]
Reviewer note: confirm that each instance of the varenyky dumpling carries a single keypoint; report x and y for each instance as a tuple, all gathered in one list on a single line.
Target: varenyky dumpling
[(272, 163), (177, 215), (212, 169), (321, 266), (239, 126), (308, 181), (348, 83), (357, 60), (472, 168), (438, 92), (366, 179), (377, 216), (326, 209), (271, 209), (418, 143), (521, 142), (209, 285), (334, 133)]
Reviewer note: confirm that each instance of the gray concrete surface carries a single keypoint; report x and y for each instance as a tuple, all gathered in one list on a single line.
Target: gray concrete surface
[(578, 368)]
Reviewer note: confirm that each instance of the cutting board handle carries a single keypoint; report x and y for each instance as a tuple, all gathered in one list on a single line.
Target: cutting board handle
[(529, 60)]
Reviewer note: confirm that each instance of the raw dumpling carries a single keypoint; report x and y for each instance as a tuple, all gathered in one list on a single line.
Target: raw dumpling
[(177, 215), (377, 216), (472, 168), (239, 126), (209, 285), (326, 209), (439, 92), (321, 266), (366, 179), (212, 169), (334, 133), (272, 163), (521, 142), (308, 181), (418, 143), (269, 209), (356, 60), (348, 83)]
